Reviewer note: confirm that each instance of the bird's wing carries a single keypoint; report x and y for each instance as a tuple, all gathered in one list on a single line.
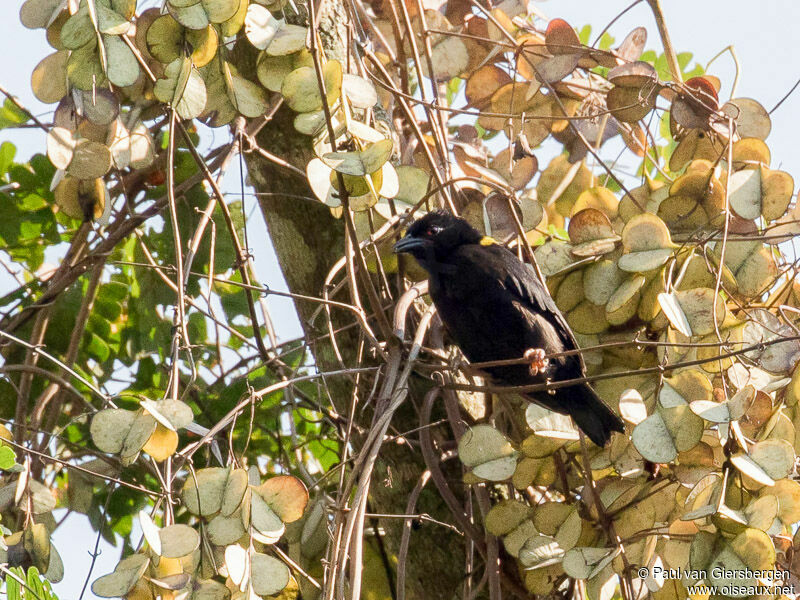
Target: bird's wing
[(521, 281)]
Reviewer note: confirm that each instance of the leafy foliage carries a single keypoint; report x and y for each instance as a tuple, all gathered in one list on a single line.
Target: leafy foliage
[(140, 384), (22, 586)]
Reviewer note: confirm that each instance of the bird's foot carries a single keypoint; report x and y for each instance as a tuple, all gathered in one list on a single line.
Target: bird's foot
[(538, 360)]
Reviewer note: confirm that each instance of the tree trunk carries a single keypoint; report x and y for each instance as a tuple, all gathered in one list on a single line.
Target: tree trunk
[(308, 241)]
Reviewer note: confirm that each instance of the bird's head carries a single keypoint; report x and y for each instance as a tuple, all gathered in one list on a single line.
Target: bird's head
[(432, 238)]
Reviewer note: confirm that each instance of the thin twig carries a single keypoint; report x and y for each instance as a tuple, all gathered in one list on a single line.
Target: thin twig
[(669, 50)]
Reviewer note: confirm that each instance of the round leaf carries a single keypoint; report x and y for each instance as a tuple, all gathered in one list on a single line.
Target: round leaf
[(178, 541), (653, 440), (744, 193), (90, 160), (110, 427), (122, 66), (235, 488), (288, 39), (237, 562), (549, 424), (260, 26), (286, 495), (150, 531), (481, 444), (123, 579), (359, 91), (49, 77), (162, 443), (269, 575), (223, 530), (360, 163), (202, 494), (264, 520)]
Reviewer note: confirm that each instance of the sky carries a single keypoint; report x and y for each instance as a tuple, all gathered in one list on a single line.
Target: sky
[(763, 35)]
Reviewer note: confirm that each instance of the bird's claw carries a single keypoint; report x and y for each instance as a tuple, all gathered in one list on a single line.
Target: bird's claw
[(538, 360)]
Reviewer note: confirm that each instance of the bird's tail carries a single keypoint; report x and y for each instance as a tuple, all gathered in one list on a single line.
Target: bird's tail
[(593, 415)]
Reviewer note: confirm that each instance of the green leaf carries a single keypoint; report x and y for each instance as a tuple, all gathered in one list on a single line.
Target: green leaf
[(7, 153), (584, 34), (105, 307), (7, 458), (183, 88), (606, 41), (97, 348), (360, 163), (11, 116), (12, 585)]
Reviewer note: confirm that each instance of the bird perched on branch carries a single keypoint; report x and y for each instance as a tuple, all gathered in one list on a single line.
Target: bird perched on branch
[(495, 308)]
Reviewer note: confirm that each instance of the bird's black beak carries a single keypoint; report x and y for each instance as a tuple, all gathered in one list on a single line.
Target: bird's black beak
[(409, 244)]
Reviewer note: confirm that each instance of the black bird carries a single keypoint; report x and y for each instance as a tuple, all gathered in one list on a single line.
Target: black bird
[(495, 308)]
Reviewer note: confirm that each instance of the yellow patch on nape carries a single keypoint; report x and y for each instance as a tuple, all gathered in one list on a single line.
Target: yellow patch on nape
[(487, 241)]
